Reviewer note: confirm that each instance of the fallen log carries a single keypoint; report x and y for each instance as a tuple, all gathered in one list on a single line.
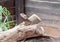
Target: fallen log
[(20, 32)]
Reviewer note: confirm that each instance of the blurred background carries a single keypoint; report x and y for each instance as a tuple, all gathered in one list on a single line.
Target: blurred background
[(47, 10)]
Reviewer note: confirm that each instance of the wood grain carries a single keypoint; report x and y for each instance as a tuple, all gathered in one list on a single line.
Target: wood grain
[(47, 10)]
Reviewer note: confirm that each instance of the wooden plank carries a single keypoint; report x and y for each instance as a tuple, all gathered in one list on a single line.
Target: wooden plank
[(47, 10)]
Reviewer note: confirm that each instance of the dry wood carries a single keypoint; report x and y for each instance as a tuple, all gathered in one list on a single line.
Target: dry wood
[(23, 16), (20, 32), (34, 19)]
